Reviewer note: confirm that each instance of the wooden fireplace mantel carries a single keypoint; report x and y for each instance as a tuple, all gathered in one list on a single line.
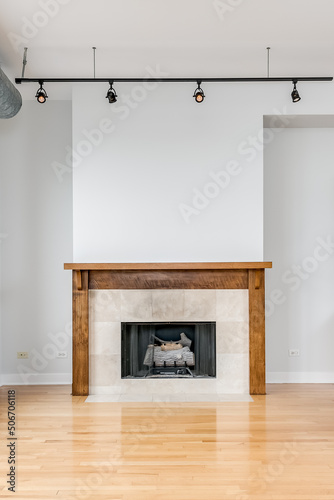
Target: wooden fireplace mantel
[(168, 266), (169, 275)]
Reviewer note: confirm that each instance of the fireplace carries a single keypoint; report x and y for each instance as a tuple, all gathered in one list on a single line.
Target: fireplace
[(168, 349), (228, 293)]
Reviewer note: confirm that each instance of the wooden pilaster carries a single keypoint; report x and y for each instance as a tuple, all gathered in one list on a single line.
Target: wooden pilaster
[(80, 383), (257, 354)]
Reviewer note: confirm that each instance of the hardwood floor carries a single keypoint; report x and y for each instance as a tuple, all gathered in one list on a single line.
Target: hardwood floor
[(280, 447)]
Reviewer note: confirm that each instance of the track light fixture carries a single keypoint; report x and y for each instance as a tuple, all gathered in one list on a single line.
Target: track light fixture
[(295, 94), (111, 94), (199, 96), (199, 93), (41, 94)]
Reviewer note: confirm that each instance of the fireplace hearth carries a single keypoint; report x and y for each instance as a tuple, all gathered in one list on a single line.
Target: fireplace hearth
[(168, 349)]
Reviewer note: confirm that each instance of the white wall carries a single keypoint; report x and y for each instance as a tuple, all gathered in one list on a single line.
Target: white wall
[(129, 189), (1, 344), (299, 211), (36, 217), (133, 193), (158, 147), (130, 186)]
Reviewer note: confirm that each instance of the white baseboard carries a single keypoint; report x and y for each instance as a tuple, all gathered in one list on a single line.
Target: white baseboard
[(66, 378), (37, 379), (300, 378)]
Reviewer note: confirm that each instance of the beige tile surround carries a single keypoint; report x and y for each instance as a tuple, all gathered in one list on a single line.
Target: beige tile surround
[(108, 308)]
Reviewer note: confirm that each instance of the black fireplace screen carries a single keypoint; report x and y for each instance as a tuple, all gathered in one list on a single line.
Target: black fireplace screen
[(178, 349)]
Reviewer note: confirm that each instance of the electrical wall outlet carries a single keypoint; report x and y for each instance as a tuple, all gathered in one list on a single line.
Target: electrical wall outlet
[(22, 355), (62, 354), (293, 352)]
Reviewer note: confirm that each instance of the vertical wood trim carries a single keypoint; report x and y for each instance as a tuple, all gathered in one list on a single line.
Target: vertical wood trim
[(257, 280), (79, 280), (257, 364), (80, 381)]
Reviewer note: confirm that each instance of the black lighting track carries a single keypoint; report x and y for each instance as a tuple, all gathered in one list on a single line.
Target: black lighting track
[(176, 80)]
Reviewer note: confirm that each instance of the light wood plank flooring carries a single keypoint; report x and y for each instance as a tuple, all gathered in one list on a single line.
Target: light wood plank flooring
[(280, 447)]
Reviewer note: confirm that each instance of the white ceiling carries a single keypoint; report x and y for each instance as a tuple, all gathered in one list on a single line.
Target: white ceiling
[(182, 37)]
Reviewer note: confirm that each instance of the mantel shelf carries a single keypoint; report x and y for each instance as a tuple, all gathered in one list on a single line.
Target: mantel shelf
[(167, 266)]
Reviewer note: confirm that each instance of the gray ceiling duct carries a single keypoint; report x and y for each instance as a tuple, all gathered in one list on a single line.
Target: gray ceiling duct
[(10, 97)]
